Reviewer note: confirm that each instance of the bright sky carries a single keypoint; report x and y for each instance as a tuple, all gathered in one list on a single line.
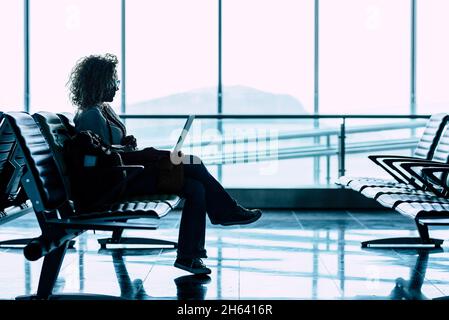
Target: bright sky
[(172, 46)]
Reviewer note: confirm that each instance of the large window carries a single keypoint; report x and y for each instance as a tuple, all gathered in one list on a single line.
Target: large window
[(172, 50), (11, 55), (267, 67), (61, 32), (268, 56), (432, 56), (365, 56)]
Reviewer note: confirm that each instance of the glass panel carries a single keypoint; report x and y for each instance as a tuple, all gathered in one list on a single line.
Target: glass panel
[(268, 56), (268, 153), (432, 56), (284, 153), (364, 56), (275, 153), (172, 56), (12, 56), (379, 136), (61, 32)]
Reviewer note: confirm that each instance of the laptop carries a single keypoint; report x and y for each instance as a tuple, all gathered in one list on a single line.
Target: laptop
[(183, 134)]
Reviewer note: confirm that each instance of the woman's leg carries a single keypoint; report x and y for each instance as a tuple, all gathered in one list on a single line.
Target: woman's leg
[(192, 231), (218, 201), (220, 206)]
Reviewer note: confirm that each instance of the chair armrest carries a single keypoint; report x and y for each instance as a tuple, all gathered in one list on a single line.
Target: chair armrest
[(380, 161), (395, 165), (424, 164), (410, 168), (376, 157), (430, 173)]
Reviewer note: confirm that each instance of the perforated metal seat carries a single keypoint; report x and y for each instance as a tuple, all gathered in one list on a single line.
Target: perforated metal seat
[(426, 210), (359, 185), (392, 200), (375, 192)]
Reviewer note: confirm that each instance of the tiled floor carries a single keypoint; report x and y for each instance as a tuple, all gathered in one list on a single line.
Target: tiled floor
[(284, 255)]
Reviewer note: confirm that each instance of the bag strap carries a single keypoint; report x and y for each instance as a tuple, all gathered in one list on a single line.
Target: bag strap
[(109, 129), (110, 117)]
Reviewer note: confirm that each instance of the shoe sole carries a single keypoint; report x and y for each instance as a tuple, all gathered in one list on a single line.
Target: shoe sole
[(242, 222), (180, 266)]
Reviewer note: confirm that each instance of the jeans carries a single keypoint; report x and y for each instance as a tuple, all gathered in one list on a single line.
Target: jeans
[(202, 194)]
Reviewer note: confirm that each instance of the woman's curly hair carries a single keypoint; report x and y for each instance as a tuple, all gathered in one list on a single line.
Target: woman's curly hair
[(91, 78)]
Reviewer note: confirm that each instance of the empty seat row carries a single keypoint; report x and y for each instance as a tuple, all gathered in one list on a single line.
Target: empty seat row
[(418, 188)]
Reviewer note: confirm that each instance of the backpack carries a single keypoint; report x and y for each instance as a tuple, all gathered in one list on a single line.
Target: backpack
[(96, 180)]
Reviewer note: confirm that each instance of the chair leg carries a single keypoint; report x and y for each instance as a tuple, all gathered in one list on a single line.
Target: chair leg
[(423, 231), (424, 241), (117, 235), (49, 273)]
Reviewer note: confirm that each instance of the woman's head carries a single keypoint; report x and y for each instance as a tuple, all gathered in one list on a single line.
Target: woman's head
[(93, 80)]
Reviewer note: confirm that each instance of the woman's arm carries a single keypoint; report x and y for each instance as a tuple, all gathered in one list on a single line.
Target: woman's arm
[(93, 120)]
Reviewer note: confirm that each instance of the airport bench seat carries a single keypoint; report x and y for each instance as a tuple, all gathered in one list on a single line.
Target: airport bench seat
[(422, 195), (424, 150), (58, 222), (57, 128), (13, 200)]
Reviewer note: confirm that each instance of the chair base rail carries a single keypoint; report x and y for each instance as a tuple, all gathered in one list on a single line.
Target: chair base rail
[(71, 296), (105, 226), (402, 243), (126, 241), (19, 243)]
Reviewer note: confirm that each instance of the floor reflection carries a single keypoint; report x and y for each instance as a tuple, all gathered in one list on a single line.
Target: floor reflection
[(285, 255), (411, 289), (129, 289), (192, 287)]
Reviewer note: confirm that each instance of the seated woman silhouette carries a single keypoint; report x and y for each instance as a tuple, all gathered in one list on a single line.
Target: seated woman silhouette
[(93, 84)]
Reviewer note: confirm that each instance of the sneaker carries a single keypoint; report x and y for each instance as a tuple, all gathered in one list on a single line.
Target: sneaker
[(194, 265), (241, 216)]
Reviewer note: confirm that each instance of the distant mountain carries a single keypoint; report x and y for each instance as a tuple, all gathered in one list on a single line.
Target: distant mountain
[(236, 99)]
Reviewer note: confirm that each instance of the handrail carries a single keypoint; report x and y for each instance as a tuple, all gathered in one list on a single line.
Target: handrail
[(310, 133), (274, 116), (310, 151)]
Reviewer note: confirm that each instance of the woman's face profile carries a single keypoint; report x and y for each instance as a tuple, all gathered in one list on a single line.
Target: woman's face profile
[(113, 86)]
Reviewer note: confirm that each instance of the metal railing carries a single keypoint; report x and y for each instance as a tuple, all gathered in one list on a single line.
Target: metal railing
[(322, 146)]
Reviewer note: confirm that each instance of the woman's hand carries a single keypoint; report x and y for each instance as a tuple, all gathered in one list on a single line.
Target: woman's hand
[(130, 142)]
